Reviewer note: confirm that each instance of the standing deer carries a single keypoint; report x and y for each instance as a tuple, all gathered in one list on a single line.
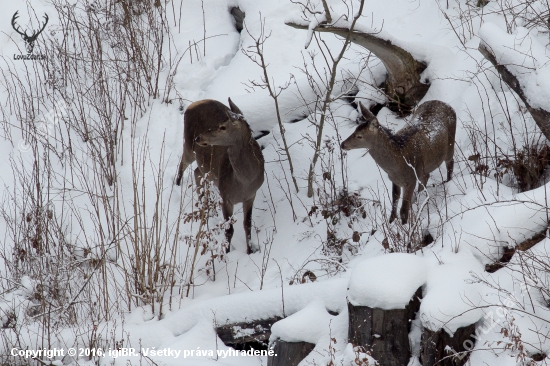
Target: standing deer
[(221, 141), (410, 154)]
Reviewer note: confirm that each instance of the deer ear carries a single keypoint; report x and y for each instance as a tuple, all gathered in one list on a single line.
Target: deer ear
[(233, 118), (234, 108), (367, 115)]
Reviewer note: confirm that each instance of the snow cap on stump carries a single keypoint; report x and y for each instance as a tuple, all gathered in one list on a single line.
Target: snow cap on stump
[(452, 299), (307, 325), (388, 281)]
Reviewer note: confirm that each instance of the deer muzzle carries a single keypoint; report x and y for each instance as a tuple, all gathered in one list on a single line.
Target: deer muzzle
[(200, 141)]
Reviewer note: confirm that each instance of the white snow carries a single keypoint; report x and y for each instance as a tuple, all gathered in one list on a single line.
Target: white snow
[(306, 325), (451, 299), (387, 282), (525, 57), (258, 305), (473, 218)]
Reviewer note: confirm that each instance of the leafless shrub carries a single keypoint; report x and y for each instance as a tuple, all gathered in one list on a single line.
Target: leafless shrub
[(528, 166), (206, 239), (256, 54), (87, 245), (322, 79)]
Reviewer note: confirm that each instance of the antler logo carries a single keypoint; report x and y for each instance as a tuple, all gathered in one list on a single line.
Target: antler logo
[(29, 40)]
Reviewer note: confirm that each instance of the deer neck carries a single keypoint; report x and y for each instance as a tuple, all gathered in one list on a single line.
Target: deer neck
[(244, 158), (385, 151)]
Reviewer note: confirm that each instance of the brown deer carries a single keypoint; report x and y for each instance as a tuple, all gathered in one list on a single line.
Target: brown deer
[(411, 154), (221, 141)]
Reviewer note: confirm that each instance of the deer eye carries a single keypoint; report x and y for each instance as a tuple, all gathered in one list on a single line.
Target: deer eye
[(358, 137), (223, 128)]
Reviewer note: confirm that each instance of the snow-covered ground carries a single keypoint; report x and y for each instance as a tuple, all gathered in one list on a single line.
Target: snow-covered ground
[(105, 233)]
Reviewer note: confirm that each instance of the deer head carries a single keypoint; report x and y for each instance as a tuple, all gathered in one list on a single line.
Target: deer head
[(29, 40), (364, 133), (228, 132)]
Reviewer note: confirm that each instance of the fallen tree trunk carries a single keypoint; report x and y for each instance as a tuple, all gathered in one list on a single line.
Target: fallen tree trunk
[(403, 84), (256, 331), (509, 252), (541, 116)]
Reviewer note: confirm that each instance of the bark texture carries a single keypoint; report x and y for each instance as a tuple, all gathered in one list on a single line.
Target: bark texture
[(246, 332), (385, 333), (435, 347), (289, 353)]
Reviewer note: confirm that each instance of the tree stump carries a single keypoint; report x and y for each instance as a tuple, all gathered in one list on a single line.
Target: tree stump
[(385, 333), (289, 353), (439, 348)]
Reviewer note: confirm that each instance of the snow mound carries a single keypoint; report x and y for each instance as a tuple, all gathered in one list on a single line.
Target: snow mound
[(307, 325), (388, 281), (519, 217), (452, 297), (525, 57), (264, 304)]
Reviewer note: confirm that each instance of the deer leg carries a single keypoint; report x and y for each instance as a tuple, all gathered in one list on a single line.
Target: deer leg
[(186, 160), (406, 205), (395, 193), (423, 182), (181, 168), (450, 166), (227, 211), (247, 211)]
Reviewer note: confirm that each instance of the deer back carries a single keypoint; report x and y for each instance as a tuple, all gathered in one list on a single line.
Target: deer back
[(434, 126), (416, 149)]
